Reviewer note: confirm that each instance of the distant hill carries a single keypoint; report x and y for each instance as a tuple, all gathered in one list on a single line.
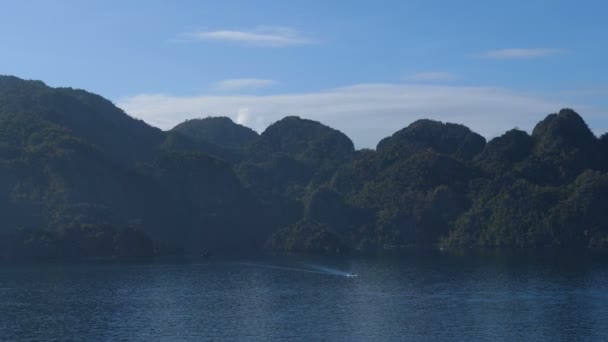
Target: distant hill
[(221, 131), (454, 140), (75, 170), (216, 136), (79, 178), (294, 155), (87, 116)]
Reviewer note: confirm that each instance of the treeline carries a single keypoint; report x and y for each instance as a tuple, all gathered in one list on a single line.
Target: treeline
[(79, 178)]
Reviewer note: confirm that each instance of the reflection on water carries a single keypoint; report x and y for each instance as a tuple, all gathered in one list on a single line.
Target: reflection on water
[(410, 298)]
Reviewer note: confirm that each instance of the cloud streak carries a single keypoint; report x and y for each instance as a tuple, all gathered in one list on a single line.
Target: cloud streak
[(521, 53), (236, 84), (260, 36), (365, 112)]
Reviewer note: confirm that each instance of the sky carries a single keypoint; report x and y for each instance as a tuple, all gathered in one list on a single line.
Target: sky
[(367, 68)]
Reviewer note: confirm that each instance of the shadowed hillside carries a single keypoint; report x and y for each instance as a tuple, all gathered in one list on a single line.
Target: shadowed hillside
[(79, 178)]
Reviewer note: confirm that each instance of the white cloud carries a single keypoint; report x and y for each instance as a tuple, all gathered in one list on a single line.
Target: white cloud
[(365, 112), (521, 53), (269, 36), (242, 84), (433, 76)]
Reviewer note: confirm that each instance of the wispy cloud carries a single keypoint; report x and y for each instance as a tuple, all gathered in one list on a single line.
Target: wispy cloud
[(366, 112), (269, 36), (521, 53), (430, 76), (242, 84)]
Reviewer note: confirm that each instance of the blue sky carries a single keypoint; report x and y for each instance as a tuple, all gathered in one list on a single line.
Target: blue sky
[(367, 68)]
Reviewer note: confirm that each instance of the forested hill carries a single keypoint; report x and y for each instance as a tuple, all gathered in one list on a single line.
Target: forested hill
[(79, 178)]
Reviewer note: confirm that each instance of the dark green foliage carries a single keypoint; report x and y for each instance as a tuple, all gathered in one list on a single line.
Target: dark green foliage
[(310, 237), (277, 176), (362, 169), (220, 131), (509, 214), (565, 129), (176, 141), (216, 207), (433, 183), (196, 178), (329, 207), (217, 136), (91, 242), (305, 140), (603, 154), (446, 138), (581, 218), (503, 153), (66, 165), (87, 116), (293, 155), (541, 194), (564, 147), (81, 179), (427, 170)]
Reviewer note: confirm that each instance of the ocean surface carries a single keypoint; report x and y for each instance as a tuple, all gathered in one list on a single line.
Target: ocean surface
[(407, 298)]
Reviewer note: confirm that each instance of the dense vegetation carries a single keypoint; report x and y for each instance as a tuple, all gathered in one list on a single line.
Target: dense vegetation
[(79, 178)]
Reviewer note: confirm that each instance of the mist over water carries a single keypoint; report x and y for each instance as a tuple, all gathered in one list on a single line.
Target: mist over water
[(276, 299)]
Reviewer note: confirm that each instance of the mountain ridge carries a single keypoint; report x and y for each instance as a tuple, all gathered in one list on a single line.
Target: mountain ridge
[(79, 178)]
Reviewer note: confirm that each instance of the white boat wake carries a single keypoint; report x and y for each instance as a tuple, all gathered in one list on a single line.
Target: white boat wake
[(311, 268), (329, 270)]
